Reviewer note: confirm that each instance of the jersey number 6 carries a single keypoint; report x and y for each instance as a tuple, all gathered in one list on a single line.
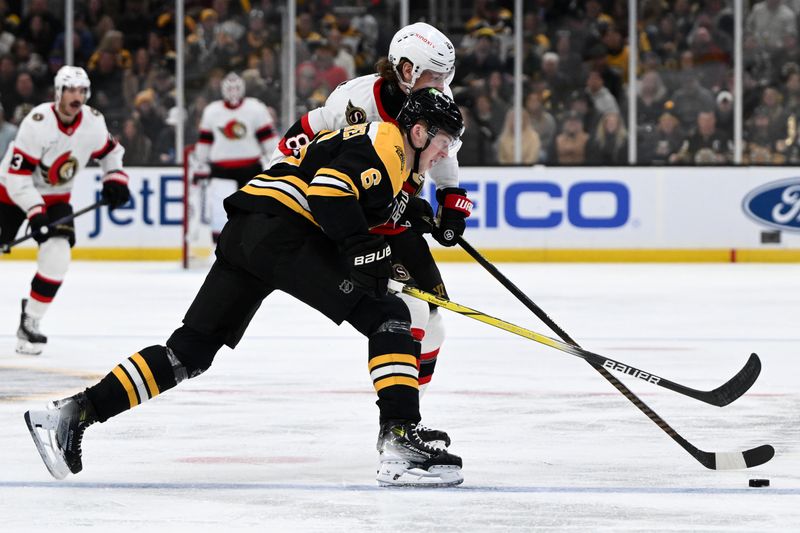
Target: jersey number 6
[(370, 177)]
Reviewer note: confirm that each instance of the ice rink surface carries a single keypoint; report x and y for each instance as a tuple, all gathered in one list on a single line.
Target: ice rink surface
[(279, 435)]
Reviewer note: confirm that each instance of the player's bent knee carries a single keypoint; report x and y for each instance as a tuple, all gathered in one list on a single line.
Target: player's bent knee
[(386, 313), (194, 350), (53, 258)]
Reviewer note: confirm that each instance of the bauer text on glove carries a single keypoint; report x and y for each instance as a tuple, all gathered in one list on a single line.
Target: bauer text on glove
[(369, 258)]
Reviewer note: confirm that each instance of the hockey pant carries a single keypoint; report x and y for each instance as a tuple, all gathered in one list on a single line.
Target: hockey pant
[(257, 254)]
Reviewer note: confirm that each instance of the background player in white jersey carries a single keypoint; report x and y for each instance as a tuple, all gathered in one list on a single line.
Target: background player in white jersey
[(236, 133), (419, 56), (54, 142)]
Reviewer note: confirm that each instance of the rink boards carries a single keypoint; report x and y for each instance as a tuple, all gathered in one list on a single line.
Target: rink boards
[(709, 214)]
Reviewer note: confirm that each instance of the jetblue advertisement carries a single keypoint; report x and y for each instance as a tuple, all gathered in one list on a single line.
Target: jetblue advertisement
[(525, 208)]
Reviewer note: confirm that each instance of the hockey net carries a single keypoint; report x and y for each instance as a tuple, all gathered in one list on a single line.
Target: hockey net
[(197, 243)]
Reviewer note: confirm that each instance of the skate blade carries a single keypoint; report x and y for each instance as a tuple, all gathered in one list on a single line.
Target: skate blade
[(42, 424), (398, 474), (28, 348)]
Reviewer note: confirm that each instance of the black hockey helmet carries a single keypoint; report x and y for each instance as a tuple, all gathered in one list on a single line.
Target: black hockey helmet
[(437, 109)]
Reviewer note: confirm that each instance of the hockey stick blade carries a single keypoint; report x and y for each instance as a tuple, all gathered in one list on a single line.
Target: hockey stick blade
[(737, 385), (723, 395), (735, 460)]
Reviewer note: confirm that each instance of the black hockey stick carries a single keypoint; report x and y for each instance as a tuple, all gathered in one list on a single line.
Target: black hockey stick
[(712, 460), (6, 248), (721, 396)]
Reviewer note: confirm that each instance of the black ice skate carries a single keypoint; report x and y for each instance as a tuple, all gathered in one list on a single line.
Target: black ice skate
[(434, 437), (407, 459), (30, 340), (58, 431)]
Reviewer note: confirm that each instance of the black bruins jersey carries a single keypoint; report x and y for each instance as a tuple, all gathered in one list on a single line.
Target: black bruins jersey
[(344, 181)]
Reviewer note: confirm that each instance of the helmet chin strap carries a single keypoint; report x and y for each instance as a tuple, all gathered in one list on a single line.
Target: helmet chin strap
[(417, 151)]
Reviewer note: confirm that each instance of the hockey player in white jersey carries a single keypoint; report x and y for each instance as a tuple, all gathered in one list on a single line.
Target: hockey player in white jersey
[(236, 134), (420, 56), (54, 142)]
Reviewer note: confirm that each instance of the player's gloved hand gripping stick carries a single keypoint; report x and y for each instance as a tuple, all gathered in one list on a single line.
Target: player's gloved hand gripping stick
[(40, 233)]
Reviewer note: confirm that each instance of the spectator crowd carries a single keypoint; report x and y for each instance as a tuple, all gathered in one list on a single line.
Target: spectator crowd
[(575, 71)]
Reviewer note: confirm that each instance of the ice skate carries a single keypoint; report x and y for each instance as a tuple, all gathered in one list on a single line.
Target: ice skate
[(406, 459), (58, 431), (30, 340), (434, 437)]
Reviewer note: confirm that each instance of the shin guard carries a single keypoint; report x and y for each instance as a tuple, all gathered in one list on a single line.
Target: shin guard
[(138, 378), (393, 368)]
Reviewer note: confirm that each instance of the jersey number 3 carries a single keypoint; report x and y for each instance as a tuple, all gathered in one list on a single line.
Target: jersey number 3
[(16, 161)]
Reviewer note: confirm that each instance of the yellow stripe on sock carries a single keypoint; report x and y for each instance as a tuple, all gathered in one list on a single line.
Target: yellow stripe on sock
[(126, 384), (396, 380), (393, 358), (144, 368)]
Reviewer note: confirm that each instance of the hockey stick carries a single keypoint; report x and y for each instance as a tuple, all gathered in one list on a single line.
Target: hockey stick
[(721, 396), (6, 248), (712, 460), (598, 360)]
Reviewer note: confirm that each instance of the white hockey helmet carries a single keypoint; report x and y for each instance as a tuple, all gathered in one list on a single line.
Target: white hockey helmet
[(426, 48), (232, 88), (69, 76)]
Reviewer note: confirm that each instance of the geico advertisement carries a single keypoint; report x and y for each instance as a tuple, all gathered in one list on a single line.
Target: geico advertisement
[(660, 207), (525, 207)]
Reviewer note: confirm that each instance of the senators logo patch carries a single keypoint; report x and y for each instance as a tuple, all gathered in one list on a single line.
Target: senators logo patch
[(37, 117), (354, 115), (63, 169), (233, 130)]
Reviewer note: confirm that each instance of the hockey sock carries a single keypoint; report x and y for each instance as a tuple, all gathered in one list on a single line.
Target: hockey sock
[(43, 290), (427, 364), (138, 378), (431, 343), (393, 368), (52, 262)]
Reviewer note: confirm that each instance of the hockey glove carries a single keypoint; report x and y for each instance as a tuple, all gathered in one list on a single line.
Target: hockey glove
[(369, 258), (38, 223), (418, 215), (454, 208), (115, 193)]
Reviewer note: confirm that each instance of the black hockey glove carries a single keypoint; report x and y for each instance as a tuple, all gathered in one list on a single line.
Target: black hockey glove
[(39, 229), (115, 193), (418, 215), (454, 208), (370, 263)]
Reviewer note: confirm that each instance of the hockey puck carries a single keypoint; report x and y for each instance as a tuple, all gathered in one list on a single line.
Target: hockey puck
[(759, 483)]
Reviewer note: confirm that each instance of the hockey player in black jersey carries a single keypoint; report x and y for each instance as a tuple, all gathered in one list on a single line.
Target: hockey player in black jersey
[(419, 56), (302, 228)]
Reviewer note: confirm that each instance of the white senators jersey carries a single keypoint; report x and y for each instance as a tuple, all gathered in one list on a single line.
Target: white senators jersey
[(40, 165), (354, 102), (233, 137)]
